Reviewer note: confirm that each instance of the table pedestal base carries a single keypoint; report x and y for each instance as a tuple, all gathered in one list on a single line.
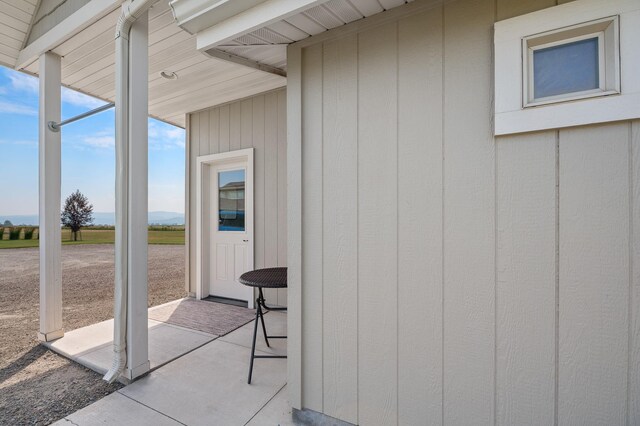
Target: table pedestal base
[(260, 305)]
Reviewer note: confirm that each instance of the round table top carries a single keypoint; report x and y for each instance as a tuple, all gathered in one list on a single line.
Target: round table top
[(267, 277)]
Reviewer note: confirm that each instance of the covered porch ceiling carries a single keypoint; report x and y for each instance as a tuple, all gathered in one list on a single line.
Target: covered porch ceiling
[(214, 59)]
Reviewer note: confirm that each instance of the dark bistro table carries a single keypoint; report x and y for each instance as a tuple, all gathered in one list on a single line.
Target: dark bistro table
[(264, 278)]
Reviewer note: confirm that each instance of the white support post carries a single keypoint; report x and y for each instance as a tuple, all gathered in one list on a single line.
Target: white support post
[(49, 200), (137, 313)]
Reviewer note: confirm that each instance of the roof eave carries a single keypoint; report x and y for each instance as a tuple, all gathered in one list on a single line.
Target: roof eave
[(195, 15), (70, 26)]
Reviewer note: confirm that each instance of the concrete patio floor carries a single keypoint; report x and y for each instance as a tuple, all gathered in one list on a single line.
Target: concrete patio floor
[(206, 386), (91, 346)]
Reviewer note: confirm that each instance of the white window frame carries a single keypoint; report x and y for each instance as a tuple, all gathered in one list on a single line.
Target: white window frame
[(605, 30), (619, 101)]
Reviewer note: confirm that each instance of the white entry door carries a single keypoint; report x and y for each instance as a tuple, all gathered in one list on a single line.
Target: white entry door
[(231, 227)]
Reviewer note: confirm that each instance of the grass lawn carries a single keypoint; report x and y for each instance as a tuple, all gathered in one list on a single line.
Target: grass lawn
[(100, 236)]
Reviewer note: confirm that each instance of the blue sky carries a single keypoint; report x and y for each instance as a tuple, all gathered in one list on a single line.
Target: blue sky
[(88, 154)]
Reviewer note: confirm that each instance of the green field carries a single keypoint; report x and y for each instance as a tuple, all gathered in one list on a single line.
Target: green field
[(173, 235)]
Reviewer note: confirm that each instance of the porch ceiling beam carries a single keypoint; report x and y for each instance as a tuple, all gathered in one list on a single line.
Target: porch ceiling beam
[(225, 56), (251, 19), (72, 25)]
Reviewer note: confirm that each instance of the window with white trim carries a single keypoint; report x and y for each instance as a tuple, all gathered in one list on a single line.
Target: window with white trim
[(569, 65), (573, 63)]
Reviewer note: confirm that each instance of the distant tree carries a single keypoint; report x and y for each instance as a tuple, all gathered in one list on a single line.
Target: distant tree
[(7, 223), (77, 213)]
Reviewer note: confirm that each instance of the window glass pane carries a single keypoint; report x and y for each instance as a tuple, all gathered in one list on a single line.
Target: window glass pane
[(567, 68), (231, 200)]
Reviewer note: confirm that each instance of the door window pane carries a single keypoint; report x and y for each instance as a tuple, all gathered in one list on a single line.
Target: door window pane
[(567, 68), (231, 185)]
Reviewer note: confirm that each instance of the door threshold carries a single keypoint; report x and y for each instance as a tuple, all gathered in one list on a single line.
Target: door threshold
[(227, 301)]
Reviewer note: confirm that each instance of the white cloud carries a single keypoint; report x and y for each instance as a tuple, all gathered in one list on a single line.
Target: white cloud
[(24, 82), (11, 108), (80, 99), (99, 141), (164, 136), (161, 137), (168, 197), (18, 142)]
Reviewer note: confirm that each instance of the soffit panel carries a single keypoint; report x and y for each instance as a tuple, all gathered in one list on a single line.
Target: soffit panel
[(88, 65), (258, 45), (15, 19)]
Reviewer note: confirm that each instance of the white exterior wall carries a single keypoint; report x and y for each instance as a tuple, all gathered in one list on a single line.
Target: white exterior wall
[(450, 277), (258, 122)]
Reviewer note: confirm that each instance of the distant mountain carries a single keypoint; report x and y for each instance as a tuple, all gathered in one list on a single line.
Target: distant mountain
[(20, 219), (103, 218), (166, 218)]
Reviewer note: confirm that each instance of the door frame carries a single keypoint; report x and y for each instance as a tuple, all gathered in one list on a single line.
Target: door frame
[(204, 164)]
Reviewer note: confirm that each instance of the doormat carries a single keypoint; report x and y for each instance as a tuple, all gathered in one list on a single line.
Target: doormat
[(209, 317)]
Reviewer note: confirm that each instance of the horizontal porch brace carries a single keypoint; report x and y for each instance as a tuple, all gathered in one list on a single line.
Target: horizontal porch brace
[(55, 127)]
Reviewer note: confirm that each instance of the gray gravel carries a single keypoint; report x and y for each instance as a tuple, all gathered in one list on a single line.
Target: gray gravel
[(37, 386)]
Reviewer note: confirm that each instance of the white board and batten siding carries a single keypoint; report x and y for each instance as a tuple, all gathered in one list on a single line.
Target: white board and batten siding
[(257, 122), (449, 276)]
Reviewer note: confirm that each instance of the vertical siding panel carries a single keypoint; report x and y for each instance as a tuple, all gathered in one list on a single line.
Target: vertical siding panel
[(188, 196), (508, 8), (246, 123), (594, 275), (225, 122), (268, 143), (194, 146), (270, 135), (634, 299), (235, 126), (271, 189), (377, 223), (312, 228), (204, 133), (282, 189), (206, 188), (271, 197), (294, 226), (420, 219), (526, 278), (340, 225), (260, 146), (259, 197), (214, 131), (526, 267), (469, 215)]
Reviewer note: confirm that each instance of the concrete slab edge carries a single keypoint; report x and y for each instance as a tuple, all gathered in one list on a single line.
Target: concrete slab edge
[(101, 370)]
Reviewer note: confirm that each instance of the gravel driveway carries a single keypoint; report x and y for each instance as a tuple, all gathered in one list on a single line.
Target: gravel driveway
[(38, 386)]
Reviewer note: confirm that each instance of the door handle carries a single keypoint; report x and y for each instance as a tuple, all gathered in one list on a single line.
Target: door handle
[(246, 241)]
